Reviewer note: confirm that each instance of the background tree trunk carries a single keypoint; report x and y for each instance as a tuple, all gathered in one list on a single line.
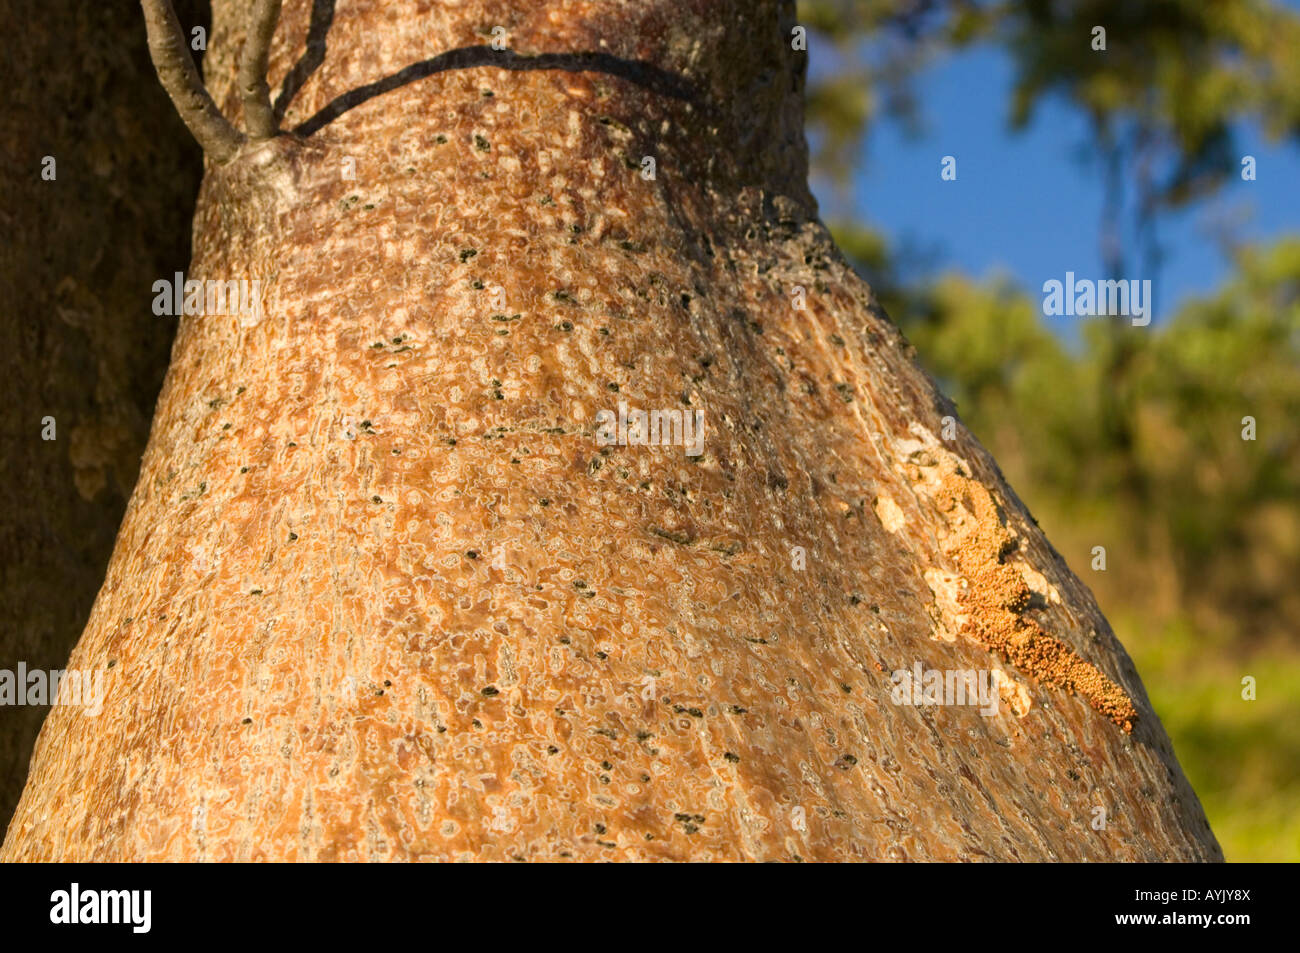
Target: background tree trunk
[(78, 341), (380, 594)]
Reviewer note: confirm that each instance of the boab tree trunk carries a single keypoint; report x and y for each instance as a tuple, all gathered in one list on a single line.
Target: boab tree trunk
[(383, 592)]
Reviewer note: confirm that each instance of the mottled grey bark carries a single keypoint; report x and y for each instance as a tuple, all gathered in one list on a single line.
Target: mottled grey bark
[(383, 594)]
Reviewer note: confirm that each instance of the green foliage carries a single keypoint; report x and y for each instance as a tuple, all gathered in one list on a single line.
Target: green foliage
[(1242, 757), (1179, 74), (1202, 526), (1175, 78)]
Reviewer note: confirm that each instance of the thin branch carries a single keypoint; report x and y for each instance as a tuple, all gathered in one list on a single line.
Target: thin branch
[(176, 71), (258, 114)]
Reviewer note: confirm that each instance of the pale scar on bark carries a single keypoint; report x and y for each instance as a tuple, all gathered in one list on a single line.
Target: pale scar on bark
[(989, 598), (996, 596)]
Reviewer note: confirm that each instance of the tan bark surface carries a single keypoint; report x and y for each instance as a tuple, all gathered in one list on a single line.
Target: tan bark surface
[(380, 594), (78, 341)]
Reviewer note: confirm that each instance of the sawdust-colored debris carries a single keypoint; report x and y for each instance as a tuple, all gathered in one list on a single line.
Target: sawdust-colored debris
[(996, 597)]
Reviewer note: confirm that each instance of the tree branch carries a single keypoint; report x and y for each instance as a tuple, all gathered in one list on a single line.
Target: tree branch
[(176, 71), (258, 114)]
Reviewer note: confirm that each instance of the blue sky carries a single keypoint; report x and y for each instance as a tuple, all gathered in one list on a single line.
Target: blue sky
[(1027, 204)]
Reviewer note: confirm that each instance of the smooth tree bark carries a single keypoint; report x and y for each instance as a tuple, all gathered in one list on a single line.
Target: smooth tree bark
[(384, 592)]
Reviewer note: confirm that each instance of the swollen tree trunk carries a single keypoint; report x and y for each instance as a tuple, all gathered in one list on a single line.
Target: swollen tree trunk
[(383, 592)]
